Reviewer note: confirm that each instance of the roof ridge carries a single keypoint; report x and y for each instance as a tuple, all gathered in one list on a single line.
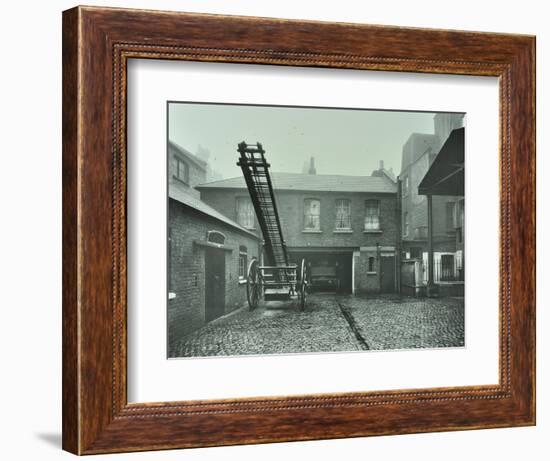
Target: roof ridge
[(275, 173)]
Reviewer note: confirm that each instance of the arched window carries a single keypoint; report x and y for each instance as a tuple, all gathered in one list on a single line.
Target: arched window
[(215, 237), (371, 266)]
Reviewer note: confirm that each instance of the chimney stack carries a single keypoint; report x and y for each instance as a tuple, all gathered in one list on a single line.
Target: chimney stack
[(381, 164), (312, 169)]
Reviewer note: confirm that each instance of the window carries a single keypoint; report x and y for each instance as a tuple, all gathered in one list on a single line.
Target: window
[(245, 212), (406, 185), (460, 213), (372, 215), (214, 236), (459, 220), (371, 267), (312, 215), (169, 250), (406, 223), (450, 219), (182, 170), (421, 233), (447, 267), (243, 262), (343, 214)]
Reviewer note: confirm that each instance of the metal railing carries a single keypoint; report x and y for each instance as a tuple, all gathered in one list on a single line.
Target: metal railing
[(445, 271)]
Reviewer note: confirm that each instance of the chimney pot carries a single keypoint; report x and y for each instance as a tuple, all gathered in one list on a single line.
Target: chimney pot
[(312, 169)]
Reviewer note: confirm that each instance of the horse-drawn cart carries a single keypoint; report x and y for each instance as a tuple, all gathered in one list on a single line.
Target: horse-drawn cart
[(279, 278)]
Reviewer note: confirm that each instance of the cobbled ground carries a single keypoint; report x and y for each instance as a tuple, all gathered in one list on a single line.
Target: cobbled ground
[(330, 323), (391, 322)]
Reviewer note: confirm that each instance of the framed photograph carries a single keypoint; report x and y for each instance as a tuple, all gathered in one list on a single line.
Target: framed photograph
[(281, 230)]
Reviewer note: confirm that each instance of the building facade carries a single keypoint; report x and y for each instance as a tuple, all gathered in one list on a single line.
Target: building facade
[(447, 211), (345, 226), (185, 170), (208, 253)]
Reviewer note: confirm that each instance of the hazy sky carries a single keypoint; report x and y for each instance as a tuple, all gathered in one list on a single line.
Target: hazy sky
[(343, 141)]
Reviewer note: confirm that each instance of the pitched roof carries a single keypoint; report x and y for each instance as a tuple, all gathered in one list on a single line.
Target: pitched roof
[(446, 174), (202, 207), (313, 182)]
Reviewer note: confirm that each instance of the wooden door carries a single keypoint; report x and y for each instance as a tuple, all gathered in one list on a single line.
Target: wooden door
[(215, 283), (387, 274)]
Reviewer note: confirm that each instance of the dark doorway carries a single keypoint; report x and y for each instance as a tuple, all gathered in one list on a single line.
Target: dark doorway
[(330, 271), (387, 274), (214, 269)]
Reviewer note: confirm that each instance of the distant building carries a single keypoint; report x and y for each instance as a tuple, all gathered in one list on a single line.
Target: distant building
[(445, 177), (346, 226), (208, 253), (419, 153), (382, 171), (185, 170), (309, 166), (211, 173)]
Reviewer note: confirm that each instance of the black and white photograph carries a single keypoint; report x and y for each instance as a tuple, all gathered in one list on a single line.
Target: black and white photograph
[(275, 230), (313, 229)]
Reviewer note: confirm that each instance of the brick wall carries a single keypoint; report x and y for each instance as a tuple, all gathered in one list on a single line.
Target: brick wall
[(291, 212), (225, 201), (367, 281), (186, 312)]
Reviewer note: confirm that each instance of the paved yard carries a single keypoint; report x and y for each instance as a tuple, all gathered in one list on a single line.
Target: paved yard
[(331, 323)]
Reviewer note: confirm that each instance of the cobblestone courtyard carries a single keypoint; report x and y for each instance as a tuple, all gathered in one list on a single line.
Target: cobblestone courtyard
[(331, 323)]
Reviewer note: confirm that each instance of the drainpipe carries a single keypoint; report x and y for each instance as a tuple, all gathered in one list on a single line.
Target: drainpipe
[(379, 260), (398, 212)]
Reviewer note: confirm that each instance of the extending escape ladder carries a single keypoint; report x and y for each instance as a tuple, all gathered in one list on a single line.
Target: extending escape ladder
[(256, 174)]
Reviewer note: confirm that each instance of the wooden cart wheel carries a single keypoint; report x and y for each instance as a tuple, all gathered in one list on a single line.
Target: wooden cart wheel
[(253, 284), (303, 285)]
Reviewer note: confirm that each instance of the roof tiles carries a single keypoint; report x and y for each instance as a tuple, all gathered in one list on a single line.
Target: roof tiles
[(308, 182)]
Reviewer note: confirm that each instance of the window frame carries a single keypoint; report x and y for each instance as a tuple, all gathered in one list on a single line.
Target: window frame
[(305, 208), (169, 265), (450, 216), (251, 214), (213, 235), (336, 202), (369, 229), (371, 265), (243, 256), (180, 161), (406, 185)]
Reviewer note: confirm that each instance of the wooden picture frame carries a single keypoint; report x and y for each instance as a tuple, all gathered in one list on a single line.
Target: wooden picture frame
[(97, 43)]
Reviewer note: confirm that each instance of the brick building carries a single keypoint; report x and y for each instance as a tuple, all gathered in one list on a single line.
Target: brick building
[(345, 226), (208, 253), (419, 153)]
